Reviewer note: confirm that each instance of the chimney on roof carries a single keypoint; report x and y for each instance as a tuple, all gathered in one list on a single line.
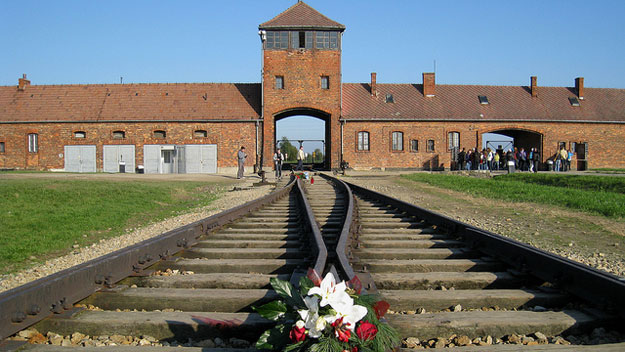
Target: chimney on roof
[(22, 83), (429, 84), (534, 86), (579, 87), (374, 85)]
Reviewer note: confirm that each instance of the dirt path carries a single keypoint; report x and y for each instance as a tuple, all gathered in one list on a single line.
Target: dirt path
[(592, 240)]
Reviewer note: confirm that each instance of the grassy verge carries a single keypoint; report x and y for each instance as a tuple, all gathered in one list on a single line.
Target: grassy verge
[(601, 195), (40, 218)]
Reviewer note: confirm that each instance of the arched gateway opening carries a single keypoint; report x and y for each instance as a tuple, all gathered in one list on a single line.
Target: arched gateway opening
[(305, 127), (516, 138)]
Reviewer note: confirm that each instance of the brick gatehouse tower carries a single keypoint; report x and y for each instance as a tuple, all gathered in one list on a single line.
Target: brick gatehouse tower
[(301, 75)]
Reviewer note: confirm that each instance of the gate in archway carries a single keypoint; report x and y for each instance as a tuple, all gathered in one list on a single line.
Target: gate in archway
[(326, 150)]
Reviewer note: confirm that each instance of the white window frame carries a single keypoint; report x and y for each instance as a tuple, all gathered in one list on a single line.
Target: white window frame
[(363, 141), (397, 140), (325, 82), (453, 140), (33, 143), (279, 82)]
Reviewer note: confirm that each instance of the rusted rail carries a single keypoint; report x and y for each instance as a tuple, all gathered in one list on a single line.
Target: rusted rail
[(319, 248), (344, 269)]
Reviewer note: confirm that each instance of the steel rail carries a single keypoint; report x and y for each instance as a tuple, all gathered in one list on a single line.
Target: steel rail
[(596, 287), (27, 304), (342, 254), (316, 240)]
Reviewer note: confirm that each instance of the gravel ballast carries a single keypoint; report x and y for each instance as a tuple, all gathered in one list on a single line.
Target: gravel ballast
[(592, 240)]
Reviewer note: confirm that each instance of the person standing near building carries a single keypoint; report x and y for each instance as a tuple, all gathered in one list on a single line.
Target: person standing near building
[(300, 158), (563, 156), (278, 157), (510, 161), (461, 161), (495, 161), (535, 159), (522, 159), (568, 159), (241, 156)]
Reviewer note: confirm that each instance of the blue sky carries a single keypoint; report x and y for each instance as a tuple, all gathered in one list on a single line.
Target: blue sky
[(484, 42)]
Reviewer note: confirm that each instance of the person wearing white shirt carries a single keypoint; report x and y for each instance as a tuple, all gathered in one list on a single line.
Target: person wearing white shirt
[(300, 158)]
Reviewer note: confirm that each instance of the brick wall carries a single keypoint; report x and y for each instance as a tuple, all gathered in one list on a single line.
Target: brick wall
[(52, 137), (605, 146), (302, 71)]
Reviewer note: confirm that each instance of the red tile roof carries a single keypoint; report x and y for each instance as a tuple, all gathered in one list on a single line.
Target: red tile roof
[(199, 101), (301, 16), (460, 102), (185, 101)]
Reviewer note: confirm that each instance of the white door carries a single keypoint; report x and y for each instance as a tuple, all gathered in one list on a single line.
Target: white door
[(80, 158), (114, 155), (209, 158), (167, 160), (152, 159), (201, 158)]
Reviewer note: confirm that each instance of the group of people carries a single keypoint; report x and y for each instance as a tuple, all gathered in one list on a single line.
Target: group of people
[(278, 158), (562, 159), (492, 160)]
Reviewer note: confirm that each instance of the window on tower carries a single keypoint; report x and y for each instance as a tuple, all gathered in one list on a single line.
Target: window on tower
[(301, 40), (279, 82), (325, 82), (277, 40), (327, 40)]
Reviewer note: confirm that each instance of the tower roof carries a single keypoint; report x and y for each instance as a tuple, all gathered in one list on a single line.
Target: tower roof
[(301, 16)]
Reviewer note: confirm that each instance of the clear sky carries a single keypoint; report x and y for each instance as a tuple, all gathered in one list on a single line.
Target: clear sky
[(486, 42)]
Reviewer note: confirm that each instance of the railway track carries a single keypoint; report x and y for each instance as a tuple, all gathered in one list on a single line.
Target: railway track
[(445, 281)]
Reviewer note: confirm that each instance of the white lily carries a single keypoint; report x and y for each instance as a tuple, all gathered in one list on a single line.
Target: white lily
[(310, 315), (351, 313), (331, 292), (317, 329)]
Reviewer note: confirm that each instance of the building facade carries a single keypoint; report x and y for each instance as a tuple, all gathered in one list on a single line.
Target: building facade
[(198, 128)]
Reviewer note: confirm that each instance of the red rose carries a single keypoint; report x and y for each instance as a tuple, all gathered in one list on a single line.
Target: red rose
[(366, 331), (297, 334)]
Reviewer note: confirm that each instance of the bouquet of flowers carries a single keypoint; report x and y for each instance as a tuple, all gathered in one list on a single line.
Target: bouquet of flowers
[(325, 316)]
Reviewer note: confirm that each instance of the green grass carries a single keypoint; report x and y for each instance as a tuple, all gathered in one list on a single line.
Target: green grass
[(581, 182), (44, 217), (602, 195)]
